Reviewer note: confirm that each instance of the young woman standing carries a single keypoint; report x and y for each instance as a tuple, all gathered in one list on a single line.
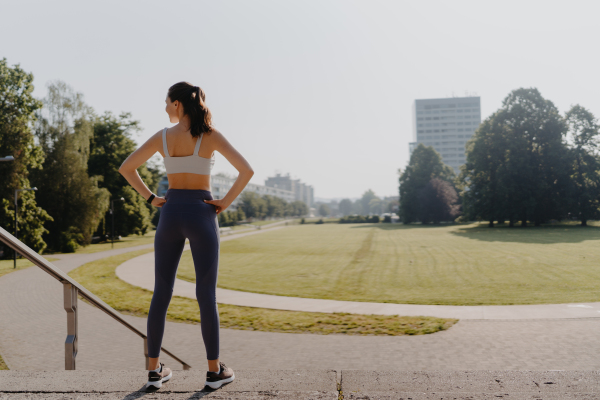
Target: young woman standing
[(188, 211)]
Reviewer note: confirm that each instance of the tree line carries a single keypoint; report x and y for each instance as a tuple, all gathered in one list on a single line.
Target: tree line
[(71, 154), (526, 163), (368, 204)]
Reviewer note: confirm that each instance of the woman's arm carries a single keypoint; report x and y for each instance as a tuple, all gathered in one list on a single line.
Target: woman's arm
[(129, 167), (239, 162)]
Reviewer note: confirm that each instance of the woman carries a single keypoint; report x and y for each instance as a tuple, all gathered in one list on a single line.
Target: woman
[(188, 211)]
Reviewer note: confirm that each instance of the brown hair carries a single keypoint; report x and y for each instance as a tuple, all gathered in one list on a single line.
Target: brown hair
[(192, 99)]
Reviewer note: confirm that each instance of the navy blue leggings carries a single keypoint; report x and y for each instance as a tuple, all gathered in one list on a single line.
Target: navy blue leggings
[(186, 215)]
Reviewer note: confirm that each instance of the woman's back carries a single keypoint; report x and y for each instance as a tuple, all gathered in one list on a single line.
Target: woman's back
[(180, 143)]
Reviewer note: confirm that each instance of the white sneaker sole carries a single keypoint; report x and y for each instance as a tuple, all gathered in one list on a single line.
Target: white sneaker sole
[(218, 384), (158, 384)]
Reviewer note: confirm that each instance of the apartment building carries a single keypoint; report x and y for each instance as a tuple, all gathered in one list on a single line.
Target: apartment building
[(446, 124)]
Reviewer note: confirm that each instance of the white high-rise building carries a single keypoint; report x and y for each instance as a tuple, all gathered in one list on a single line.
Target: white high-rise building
[(446, 125)]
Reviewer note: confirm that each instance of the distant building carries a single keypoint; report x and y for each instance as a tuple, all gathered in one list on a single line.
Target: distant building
[(446, 125), (221, 183), (302, 191)]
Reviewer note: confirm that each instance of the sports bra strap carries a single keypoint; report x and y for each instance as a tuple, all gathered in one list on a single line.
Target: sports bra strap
[(164, 135), (197, 148)]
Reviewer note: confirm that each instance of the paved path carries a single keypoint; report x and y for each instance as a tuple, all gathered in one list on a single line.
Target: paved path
[(33, 330), (139, 271)]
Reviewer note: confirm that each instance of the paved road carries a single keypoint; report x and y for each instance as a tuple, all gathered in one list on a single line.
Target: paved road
[(33, 330)]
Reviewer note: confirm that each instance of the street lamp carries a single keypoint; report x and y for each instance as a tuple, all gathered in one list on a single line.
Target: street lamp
[(112, 212), (16, 217)]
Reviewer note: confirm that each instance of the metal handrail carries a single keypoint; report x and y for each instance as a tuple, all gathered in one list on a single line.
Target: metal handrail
[(71, 289)]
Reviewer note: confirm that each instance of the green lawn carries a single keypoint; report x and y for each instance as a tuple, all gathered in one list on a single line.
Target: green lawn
[(457, 264), (100, 278), (7, 266), (129, 241)]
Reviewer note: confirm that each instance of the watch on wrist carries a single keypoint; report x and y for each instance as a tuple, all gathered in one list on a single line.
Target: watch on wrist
[(152, 196)]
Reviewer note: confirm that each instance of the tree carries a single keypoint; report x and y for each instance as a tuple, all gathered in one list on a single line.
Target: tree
[(484, 172), (299, 208), (365, 201), (71, 197), (425, 164), (536, 172), (275, 206), (253, 205), (375, 206), (345, 207), (110, 145), (437, 202), (324, 210), (582, 133), (17, 114), (517, 163)]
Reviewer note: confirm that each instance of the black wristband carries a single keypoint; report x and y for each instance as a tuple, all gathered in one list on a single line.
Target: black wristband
[(152, 196)]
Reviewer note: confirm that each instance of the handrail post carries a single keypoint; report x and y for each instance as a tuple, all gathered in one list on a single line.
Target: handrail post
[(70, 297), (146, 353)]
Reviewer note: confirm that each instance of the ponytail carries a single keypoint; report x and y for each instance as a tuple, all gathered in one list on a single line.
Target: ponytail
[(193, 99)]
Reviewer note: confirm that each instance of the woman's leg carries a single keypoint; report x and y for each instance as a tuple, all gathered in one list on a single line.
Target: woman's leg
[(203, 232), (168, 246)]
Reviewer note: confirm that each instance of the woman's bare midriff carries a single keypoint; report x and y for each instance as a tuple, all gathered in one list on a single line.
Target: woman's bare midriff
[(188, 181)]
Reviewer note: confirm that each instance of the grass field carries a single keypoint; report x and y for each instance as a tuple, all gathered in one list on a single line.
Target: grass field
[(457, 264), (7, 266), (100, 278)]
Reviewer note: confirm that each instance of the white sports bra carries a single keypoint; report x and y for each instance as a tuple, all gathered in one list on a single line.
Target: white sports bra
[(193, 164)]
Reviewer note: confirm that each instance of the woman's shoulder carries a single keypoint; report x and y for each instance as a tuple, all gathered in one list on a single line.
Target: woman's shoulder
[(215, 134)]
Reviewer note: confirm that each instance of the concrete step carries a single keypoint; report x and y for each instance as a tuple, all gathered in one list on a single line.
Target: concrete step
[(472, 385), (302, 384), (262, 384)]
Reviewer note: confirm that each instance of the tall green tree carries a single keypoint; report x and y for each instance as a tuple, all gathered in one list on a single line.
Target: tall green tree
[(110, 145), (425, 164), (65, 189), (17, 114), (582, 135), (483, 174), (517, 163), (536, 171)]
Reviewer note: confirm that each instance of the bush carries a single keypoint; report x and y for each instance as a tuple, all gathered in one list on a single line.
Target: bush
[(387, 218), (320, 221), (359, 219), (302, 221)]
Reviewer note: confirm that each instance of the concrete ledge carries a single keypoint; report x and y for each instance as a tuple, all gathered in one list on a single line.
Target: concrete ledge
[(267, 381), (358, 384), (302, 384), (217, 395)]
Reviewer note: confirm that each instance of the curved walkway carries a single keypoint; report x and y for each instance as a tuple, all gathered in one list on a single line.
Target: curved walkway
[(139, 271)]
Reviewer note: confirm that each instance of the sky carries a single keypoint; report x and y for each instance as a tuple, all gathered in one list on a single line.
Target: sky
[(322, 90)]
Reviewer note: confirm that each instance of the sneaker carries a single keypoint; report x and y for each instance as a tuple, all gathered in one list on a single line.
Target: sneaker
[(156, 379), (214, 380)]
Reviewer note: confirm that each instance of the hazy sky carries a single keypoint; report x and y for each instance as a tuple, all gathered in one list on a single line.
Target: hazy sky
[(320, 89)]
